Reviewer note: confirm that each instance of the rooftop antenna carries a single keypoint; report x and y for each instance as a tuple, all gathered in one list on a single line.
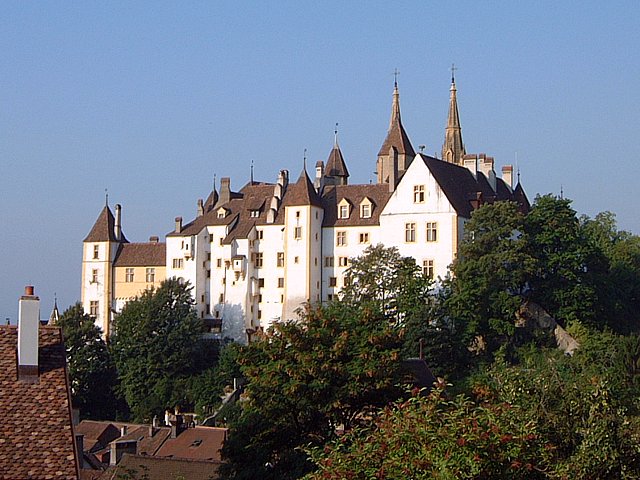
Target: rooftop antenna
[(453, 69)]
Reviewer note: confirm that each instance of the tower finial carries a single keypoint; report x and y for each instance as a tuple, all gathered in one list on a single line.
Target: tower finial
[(561, 192), (335, 136), (395, 77), (106, 197), (304, 160), (453, 69), (251, 172), (214, 181)]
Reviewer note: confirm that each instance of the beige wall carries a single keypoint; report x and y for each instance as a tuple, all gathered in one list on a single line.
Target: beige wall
[(127, 290)]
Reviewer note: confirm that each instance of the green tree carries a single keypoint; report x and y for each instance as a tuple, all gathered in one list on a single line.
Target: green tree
[(306, 379), (157, 347), (92, 373), (387, 282), (490, 276), (435, 438), (567, 265)]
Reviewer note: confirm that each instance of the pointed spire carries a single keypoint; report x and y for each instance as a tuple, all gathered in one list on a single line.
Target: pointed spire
[(453, 149), (103, 229), (302, 192), (212, 199), (396, 136), (54, 318)]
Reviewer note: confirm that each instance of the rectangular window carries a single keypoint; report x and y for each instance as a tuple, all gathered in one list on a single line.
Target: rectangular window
[(297, 233), (365, 210), (178, 263), (221, 240), (280, 260), (211, 238), (364, 237), (346, 281), (330, 297), (94, 275), (296, 259), (259, 314), (427, 268), (150, 275), (257, 260), (255, 213), (94, 308), (333, 281), (260, 282), (328, 261), (432, 231), (208, 273), (128, 277), (221, 298), (410, 232), (260, 234), (341, 238), (343, 211), (343, 261), (281, 282), (219, 263), (418, 194), (96, 252)]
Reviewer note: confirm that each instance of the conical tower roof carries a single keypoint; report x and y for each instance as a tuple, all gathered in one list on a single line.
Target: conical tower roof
[(302, 193), (103, 229), (336, 167), (55, 314), (396, 136)]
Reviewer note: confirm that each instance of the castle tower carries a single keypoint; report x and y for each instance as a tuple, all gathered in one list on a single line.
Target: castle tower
[(304, 214), (453, 149), (99, 251), (396, 152), (336, 172)]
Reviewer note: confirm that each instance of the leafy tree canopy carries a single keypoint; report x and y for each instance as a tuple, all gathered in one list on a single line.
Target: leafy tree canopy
[(92, 374), (157, 346), (308, 378)]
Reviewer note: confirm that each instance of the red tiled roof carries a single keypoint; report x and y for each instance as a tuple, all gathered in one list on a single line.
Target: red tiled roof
[(198, 443), (377, 193), (36, 435), (96, 434), (156, 468), (140, 255)]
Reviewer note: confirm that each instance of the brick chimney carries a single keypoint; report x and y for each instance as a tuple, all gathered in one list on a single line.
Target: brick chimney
[(28, 326)]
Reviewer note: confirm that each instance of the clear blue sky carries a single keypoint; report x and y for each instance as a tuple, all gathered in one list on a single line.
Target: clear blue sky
[(151, 99)]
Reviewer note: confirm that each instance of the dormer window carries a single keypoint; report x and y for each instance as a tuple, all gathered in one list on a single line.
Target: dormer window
[(343, 209), (254, 213), (418, 194), (222, 212), (365, 208)]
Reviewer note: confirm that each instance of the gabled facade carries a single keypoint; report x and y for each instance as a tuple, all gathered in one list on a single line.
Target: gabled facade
[(256, 255)]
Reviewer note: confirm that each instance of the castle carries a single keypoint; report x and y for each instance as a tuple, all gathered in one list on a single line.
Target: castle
[(255, 255)]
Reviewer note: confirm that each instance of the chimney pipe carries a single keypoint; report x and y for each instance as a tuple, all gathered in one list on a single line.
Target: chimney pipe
[(225, 190), (80, 448), (28, 326), (118, 225), (178, 224), (200, 207), (507, 175), (154, 239)]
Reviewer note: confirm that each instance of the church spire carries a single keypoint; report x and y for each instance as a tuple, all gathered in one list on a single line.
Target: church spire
[(453, 149), (396, 152)]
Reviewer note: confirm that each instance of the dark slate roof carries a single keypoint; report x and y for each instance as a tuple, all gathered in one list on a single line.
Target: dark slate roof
[(103, 228), (521, 197), (503, 191), (158, 468), (199, 443), (456, 182), (332, 195), (211, 200), (488, 195), (301, 193), (36, 435), (141, 254), (336, 167)]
